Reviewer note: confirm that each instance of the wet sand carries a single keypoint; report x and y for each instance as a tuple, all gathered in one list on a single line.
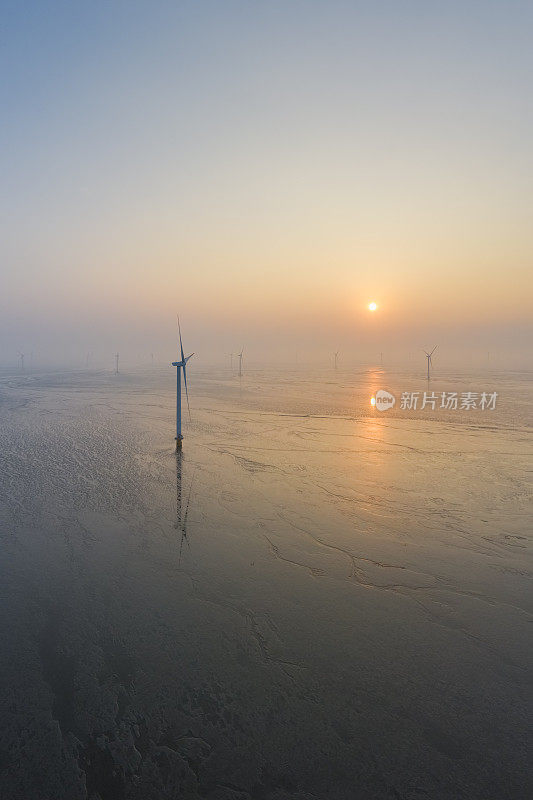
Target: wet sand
[(313, 601)]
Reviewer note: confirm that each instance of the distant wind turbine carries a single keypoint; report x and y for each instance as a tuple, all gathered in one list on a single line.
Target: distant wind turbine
[(180, 365), (116, 363), (239, 356), (21, 358), (428, 356), (230, 361), (335, 356)]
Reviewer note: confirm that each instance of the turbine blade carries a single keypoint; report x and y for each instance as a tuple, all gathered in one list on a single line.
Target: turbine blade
[(433, 350), (186, 390), (179, 331)]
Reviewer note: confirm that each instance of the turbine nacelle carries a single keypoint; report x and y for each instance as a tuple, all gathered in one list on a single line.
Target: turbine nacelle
[(182, 363)]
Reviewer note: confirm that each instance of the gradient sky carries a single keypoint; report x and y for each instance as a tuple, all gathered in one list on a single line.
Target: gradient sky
[(267, 169)]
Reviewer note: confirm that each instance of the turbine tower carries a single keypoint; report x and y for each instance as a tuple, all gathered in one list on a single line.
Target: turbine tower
[(239, 355), (116, 363), (180, 365), (21, 358), (335, 356), (428, 356)]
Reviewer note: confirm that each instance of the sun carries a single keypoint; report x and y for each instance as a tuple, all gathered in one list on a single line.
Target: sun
[(372, 306)]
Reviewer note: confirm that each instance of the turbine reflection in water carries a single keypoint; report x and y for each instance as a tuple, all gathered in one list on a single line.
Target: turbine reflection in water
[(181, 519)]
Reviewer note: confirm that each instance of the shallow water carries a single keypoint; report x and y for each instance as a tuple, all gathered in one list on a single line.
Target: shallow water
[(316, 600)]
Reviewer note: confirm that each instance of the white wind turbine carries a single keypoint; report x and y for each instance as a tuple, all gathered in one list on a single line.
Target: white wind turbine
[(428, 356), (180, 365)]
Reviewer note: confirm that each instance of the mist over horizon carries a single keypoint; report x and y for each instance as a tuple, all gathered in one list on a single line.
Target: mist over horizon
[(69, 345)]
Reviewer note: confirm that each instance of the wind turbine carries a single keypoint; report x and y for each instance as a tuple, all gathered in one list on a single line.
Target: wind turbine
[(21, 357), (230, 361), (116, 363), (335, 355), (428, 356), (180, 365), (239, 356)]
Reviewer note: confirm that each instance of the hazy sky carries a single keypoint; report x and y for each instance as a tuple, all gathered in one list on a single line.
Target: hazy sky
[(266, 168)]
